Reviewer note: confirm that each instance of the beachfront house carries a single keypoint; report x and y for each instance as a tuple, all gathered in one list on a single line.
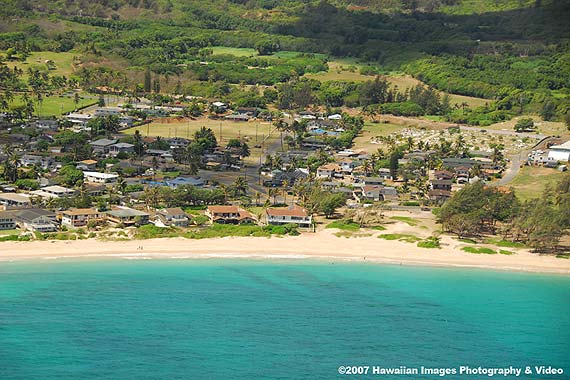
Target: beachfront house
[(79, 217), (229, 215), (7, 221), (35, 219), (288, 215), (171, 217), (127, 216)]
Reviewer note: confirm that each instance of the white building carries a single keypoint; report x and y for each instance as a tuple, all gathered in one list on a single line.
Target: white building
[(53, 192), (107, 111), (96, 177), (79, 119), (13, 200), (560, 152), (291, 215)]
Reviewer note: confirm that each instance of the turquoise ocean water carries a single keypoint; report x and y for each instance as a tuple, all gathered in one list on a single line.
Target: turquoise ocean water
[(246, 319)]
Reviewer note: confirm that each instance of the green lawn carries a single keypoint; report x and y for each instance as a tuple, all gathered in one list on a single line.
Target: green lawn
[(56, 105), (9, 232), (531, 181)]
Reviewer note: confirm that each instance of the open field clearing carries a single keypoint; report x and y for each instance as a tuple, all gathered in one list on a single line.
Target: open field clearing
[(56, 105), (36, 60), (532, 180), (180, 127), (237, 52), (349, 70)]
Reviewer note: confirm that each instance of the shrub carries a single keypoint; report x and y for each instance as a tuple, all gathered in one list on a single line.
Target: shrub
[(344, 224), (431, 242), (482, 250)]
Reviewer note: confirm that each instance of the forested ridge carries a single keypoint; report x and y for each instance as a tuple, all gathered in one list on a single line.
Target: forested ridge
[(516, 53)]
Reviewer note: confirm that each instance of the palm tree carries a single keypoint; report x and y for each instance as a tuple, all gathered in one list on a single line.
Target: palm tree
[(240, 185), (226, 191), (121, 185), (284, 190), (273, 192)]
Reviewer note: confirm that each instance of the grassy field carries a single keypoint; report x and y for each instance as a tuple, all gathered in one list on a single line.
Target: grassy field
[(171, 127), (531, 181), (349, 70), (238, 52), (56, 105), (230, 130), (36, 60)]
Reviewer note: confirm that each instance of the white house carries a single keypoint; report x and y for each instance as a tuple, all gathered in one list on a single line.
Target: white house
[(79, 217), (96, 177), (79, 119), (107, 111), (560, 152), (14, 200), (291, 215), (328, 170), (53, 192)]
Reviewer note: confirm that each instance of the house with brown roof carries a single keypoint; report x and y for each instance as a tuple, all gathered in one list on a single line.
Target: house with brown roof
[(229, 215), (79, 217), (291, 215), (441, 184), (328, 170)]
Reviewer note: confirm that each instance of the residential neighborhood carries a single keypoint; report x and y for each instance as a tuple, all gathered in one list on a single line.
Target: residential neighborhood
[(85, 171)]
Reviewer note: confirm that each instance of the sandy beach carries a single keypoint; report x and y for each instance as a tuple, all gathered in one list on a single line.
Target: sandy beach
[(321, 245)]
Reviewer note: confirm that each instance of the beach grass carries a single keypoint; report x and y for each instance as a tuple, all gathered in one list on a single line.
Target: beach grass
[(406, 219), (400, 237), (505, 243), (344, 224), (431, 242), (479, 250), (505, 252)]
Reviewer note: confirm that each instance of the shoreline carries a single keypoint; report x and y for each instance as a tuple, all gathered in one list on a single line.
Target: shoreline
[(323, 245)]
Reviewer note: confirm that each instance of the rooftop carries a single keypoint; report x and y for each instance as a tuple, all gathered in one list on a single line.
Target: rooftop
[(294, 210)]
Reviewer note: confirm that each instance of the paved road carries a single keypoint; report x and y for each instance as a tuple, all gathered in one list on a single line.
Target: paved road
[(518, 159), (513, 169)]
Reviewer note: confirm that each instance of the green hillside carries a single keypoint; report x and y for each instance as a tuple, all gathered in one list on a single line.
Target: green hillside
[(515, 52)]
